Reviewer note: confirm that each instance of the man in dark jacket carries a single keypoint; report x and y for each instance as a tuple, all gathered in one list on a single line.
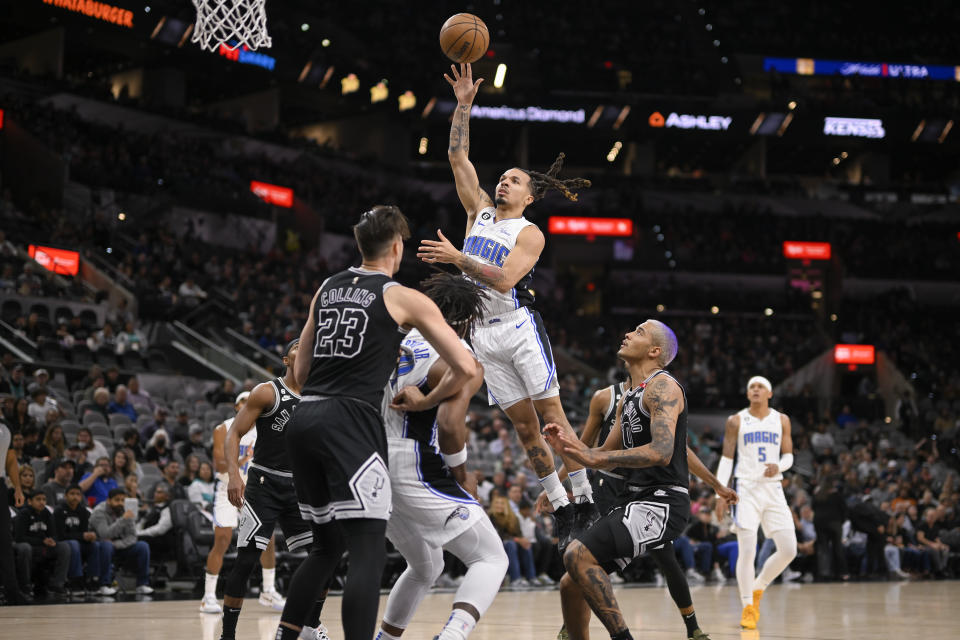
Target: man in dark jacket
[(37, 547), (71, 521), (867, 517)]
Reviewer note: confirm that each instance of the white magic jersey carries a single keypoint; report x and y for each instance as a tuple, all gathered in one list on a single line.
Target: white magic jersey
[(416, 357), (246, 446), (491, 242), (758, 444)]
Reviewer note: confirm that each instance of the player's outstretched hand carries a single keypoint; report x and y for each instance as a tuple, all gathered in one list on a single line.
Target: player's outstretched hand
[(566, 443), (409, 399), (463, 85), (441, 250), (728, 495)]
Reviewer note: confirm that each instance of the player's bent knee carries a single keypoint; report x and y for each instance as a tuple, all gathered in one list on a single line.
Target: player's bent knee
[(568, 584), (574, 555)]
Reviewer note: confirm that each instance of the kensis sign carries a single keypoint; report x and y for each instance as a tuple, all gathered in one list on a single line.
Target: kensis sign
[(854, 127)]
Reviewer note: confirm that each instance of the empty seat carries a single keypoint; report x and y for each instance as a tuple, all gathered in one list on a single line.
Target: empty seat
[(107, 357), (91, 418), (11, 310), (89, 319), (81, 355), (62, 314), (101, 431), (202, 406)]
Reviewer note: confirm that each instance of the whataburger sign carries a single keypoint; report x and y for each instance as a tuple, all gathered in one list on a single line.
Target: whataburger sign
[(96, 10), (689, 121)]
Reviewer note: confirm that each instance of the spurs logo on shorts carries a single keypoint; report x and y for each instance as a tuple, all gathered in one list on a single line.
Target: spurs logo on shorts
[(371, 489), (646, 522)]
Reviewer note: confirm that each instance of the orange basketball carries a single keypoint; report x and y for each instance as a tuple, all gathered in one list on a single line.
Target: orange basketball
[(464, 38)]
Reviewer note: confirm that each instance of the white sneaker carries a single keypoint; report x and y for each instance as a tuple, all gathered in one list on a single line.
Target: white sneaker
[(320, 633), (106, 590), (789, 575), (659, 580), (272, 599), (144, 590), (545, 579), (209, 604), (717, 575), (522, 583), (615, 578), (694, 577)]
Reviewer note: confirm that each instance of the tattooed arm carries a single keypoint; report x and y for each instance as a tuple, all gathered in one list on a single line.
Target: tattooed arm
[(663, 400), (471, 195)]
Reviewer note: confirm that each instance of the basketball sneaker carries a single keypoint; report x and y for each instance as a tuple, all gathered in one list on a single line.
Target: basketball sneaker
[(563, 634), (144, 590), (699, 635), (105, 590), (749, 618), (564, 518), (320, 633), (209, 604), (272, 599)]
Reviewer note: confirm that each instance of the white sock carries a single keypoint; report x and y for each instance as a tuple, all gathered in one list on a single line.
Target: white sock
[(210, 585), (581, 486), (269, 580), (555, 491), (458, 626), (383, 635)]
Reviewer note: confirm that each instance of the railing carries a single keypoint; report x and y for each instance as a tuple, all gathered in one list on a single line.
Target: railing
[(235, 365)]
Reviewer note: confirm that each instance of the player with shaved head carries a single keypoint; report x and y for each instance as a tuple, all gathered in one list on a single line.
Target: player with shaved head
[(647, 447)]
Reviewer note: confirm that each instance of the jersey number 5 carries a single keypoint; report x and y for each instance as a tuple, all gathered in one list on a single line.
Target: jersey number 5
[(763, 454), (340, 333)]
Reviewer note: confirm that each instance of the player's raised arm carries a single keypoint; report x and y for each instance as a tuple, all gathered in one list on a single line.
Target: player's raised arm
[(468, 184), (261, 399)]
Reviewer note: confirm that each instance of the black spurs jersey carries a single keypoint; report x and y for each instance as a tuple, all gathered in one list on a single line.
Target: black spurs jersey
[(357, 341), (610, 417), (270, 449), (635, 430)]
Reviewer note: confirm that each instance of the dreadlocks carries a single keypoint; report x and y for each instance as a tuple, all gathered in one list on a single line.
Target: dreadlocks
[(460, 301), (540, 183)]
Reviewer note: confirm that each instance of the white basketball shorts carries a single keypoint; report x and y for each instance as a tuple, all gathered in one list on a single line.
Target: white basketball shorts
[(516, 357), (762, 503), (428, 505)]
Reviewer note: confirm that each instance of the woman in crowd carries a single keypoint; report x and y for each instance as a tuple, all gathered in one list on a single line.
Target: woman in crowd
[(54, 441), (201, 489), (158, 453)]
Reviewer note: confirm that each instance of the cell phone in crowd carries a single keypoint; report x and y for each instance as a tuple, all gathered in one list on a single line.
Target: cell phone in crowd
[(131, 504)]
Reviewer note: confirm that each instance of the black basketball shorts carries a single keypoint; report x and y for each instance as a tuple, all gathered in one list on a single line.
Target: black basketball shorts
[(338, 449), (607, 491), (652, 518), (269, 500)]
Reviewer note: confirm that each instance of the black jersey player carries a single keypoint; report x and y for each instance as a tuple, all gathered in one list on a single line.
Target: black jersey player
[(336, 439), (648, 447), (268, 497)]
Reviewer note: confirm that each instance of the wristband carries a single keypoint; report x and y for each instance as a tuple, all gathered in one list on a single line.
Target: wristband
[(786, 461), (724, 470), (455, 459)]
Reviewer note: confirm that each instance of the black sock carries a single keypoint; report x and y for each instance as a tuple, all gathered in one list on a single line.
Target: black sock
[(314, 619), (623, 635), (286, 633), (691, 622), (230, 617)]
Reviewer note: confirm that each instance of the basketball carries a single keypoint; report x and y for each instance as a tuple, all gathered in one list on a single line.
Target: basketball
[(464, 38)]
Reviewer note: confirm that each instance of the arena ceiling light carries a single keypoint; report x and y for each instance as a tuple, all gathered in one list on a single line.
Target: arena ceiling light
[(500, 76), (406, 100), (422, 149), (614, 151), (620, 118), (349, 84)]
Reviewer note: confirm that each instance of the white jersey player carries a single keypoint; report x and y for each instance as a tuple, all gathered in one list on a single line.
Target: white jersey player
[(432, 511), (226, 516), (499, 253), (760, 438)]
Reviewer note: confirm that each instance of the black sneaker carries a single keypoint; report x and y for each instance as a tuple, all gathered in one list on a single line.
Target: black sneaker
[(586, 515), (564, 519)]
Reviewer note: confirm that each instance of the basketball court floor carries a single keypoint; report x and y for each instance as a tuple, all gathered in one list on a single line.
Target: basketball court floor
[(809, 611)]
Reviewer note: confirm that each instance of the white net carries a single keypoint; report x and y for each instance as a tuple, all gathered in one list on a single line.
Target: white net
[(232, 23)]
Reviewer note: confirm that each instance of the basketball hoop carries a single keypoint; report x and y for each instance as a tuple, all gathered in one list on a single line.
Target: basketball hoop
[(222, 22)]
